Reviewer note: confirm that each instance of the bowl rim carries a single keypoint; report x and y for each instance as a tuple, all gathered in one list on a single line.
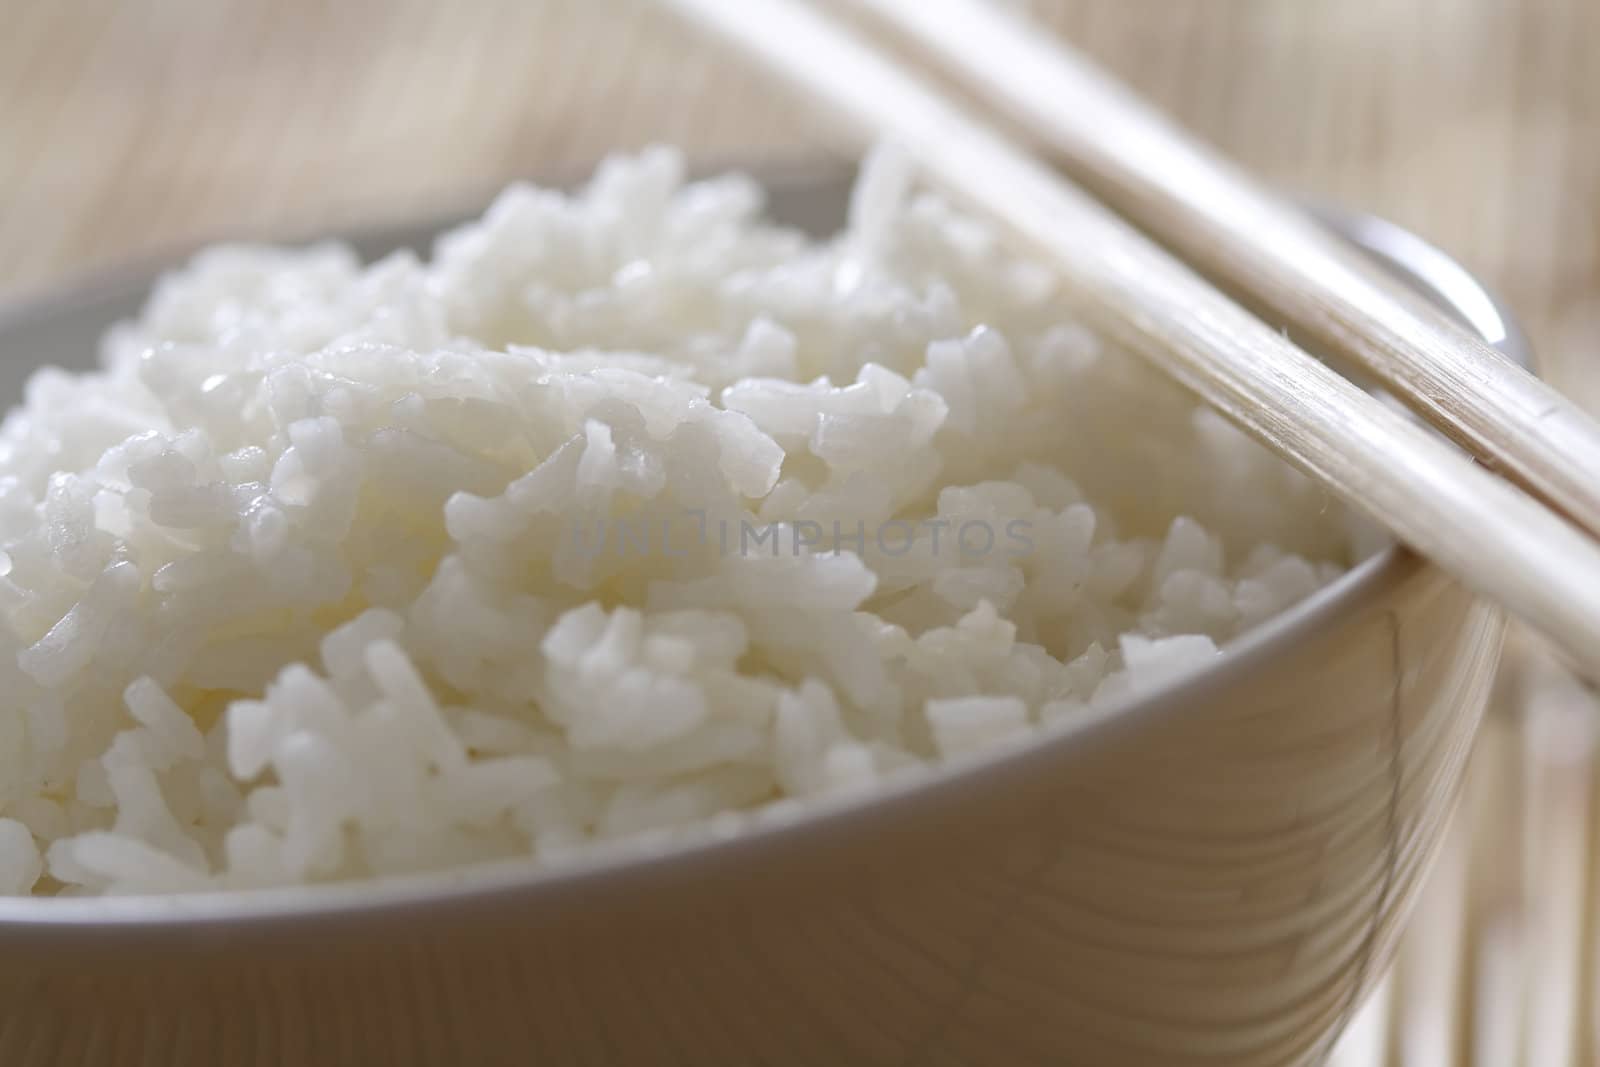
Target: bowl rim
[(479, 887)]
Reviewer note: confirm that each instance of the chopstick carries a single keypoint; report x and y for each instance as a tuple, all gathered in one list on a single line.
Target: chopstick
[(1239, 233), (1494, 538)]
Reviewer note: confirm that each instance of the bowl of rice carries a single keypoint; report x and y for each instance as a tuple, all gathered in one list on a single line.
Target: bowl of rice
[(705, 621)]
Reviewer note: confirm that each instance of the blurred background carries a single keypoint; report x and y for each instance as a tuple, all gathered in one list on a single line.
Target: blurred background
[(128, 129)]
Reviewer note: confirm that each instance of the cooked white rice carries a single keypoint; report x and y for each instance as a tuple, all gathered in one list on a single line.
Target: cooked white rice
[(626, 513)]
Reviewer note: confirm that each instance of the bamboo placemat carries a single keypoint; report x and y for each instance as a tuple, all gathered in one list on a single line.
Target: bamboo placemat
[(127, 128)]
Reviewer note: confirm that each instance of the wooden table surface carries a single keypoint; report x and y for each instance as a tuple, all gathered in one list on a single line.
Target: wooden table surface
[(127, 128)]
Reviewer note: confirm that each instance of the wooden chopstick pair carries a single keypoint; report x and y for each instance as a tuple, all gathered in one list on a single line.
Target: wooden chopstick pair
[(1236, 231), (1489, 533)]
